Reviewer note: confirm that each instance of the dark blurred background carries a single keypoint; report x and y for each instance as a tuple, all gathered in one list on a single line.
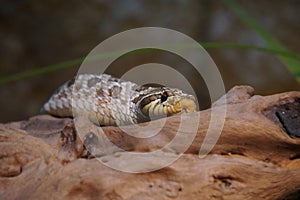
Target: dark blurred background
[(40, 33)]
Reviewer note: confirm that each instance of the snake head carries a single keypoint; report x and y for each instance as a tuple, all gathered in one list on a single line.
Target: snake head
[(163, 102)]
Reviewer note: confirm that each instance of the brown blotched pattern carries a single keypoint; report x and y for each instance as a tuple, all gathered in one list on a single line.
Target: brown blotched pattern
[(111, 101)]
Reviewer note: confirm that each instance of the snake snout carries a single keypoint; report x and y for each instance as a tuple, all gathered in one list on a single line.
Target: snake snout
[(187, 105)]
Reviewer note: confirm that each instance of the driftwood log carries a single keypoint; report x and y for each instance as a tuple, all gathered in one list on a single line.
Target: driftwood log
[(256, 157)]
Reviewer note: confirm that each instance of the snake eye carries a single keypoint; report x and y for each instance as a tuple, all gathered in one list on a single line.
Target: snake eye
[(164, 97)]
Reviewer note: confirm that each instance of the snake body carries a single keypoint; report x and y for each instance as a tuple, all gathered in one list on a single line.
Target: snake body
[(112, 101)]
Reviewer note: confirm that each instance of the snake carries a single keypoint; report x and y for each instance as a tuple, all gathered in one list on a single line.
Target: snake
[(110, 101)]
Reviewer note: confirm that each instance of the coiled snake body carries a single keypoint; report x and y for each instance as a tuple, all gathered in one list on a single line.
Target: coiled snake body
[(112, 101)]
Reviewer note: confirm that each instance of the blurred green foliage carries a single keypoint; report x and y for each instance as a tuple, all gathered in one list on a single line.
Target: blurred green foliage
[(289, 59), (292, 64)]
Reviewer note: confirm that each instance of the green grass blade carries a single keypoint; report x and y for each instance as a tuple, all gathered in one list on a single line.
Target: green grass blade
[(208, 45), (292, 64), (39, 71), (253, 48)]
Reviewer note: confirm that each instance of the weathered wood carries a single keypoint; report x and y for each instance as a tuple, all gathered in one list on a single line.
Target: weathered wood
[(254, 157)]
